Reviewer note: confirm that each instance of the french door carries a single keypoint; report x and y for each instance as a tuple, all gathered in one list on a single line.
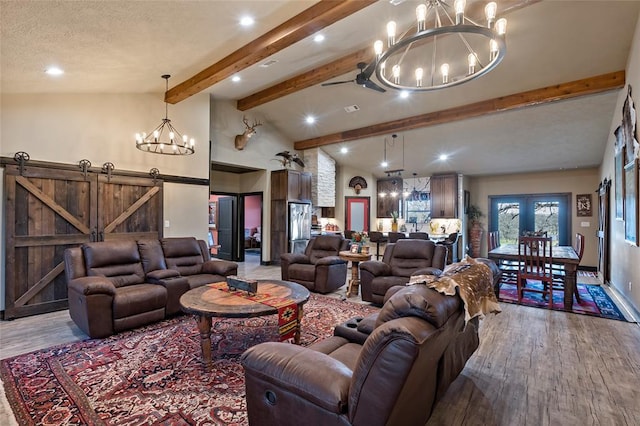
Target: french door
[(513, 215)]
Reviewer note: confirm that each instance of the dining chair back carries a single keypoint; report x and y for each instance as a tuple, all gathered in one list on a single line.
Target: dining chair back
[(418, 235), (493, 240), (395, 236), (536, 260), (559, 273)]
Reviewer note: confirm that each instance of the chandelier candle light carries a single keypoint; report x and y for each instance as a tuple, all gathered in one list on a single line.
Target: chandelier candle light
[(443, 48), (165, 139)]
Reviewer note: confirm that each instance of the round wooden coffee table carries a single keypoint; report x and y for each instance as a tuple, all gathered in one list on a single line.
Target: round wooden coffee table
[(206, 302)]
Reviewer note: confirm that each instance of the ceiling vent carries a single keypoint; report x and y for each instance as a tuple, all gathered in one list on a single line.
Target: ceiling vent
[(268, 63), (352, 108)]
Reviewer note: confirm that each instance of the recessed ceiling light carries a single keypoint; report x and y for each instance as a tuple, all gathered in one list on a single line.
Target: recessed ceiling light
[(404, 94), (54, 71), (384, 164), (247, 21), (344, 150), (443, 157), (235, 78), (319, 38), (310, 119)]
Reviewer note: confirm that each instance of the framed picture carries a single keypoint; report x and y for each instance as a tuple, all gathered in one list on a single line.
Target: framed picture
[(213, 214), (583, 204), (467, 197), (619, 184), (354, 248), (631, 202)]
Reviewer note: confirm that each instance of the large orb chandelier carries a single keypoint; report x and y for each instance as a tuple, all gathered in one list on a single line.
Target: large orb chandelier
[(443, 48), (165, 139)]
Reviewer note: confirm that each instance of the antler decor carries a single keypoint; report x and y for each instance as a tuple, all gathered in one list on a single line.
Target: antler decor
[(241, 140)]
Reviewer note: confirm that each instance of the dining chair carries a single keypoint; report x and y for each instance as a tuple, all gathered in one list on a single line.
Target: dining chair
[(395, 236), (509, 267), (493, 240), (535, 257), (559, 273), (378, 238), (418, 235)]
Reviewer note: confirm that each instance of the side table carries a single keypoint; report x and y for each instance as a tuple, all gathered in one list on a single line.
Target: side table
[(355, 259)]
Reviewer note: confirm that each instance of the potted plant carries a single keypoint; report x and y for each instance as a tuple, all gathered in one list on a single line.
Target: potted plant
[(475, 231), (394, 221)]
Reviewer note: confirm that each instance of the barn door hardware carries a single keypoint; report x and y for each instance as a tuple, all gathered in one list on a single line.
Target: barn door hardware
[(108, 168), (21, 158), (154, 174), (84, 166)]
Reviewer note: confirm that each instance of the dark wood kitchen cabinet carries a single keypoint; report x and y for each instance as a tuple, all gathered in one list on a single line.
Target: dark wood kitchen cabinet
[(291, 185), (444, 196)]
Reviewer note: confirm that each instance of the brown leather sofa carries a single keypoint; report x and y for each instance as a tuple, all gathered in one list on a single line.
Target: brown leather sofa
[(418, 345), (319, 269), (122, 284), (401, 259)]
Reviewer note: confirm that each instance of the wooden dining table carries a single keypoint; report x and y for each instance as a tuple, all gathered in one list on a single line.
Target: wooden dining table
[(562, 255)]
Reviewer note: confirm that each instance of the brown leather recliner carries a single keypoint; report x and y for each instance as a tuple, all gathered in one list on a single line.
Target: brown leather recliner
[(319, 269), (418, 346), (401, 260), (122, 284), (107, 289)]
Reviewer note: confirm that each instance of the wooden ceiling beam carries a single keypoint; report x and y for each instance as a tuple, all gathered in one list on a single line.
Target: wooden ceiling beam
[(558, 92), (311, 20), (348, 63), (307, 79)]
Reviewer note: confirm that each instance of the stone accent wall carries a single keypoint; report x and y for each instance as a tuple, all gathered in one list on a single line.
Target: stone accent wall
[(323, 169)]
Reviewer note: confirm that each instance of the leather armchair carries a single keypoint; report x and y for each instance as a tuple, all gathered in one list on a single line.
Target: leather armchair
[(418, 346), (319, 269), (401, 260)]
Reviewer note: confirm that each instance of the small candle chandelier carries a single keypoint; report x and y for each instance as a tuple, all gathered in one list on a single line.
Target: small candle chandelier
[(443, 48), (165, 139)]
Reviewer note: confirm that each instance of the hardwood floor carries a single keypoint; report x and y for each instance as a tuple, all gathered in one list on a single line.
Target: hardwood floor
[(533, 367)]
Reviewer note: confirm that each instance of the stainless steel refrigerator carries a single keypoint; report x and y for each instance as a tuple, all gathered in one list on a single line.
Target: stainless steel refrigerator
[(299, 226)]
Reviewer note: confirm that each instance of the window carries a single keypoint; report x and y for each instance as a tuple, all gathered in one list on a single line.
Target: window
[(514, 214)]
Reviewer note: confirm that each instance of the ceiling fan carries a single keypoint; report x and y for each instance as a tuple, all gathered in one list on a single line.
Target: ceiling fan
[(362, 79)]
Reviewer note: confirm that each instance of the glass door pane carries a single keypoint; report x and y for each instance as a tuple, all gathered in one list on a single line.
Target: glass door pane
[(546, 218), (508, 217)]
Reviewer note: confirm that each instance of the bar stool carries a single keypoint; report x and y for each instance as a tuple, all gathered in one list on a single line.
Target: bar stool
[(395, 236), (377, 237)]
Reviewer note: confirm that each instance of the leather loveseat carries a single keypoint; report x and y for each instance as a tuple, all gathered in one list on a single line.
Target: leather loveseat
[(401, 259), (418, 345), (319, 269), (122, 284)]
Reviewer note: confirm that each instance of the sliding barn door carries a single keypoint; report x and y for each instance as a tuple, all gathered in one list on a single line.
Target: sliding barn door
[(48, 210), (129, 208)]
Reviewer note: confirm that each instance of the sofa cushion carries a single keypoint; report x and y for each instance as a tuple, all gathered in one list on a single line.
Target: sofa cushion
[(302, 272), (119, 261), (134, 300), (419, 301), (151, 255), (183, 254)]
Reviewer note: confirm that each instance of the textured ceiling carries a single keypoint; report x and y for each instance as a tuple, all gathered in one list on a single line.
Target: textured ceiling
[(124, 46)]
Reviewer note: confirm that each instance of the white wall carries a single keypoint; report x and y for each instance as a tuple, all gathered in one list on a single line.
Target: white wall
[(625, 258), (66, 128)]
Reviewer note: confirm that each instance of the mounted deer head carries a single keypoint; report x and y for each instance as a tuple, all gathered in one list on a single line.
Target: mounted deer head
[(241, 140)]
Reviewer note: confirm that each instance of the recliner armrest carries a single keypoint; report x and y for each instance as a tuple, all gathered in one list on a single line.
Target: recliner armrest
[(92, 285), (161, 274), (430, 270), (376, 268), (220, 267), (308, 374), (291, 258), (330, 260)]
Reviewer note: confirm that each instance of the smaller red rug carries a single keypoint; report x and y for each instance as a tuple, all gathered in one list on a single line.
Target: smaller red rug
[(594, 300)]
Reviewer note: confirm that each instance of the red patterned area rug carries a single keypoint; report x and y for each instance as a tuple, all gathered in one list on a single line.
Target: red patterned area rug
[(594, 300), (153, 375)]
